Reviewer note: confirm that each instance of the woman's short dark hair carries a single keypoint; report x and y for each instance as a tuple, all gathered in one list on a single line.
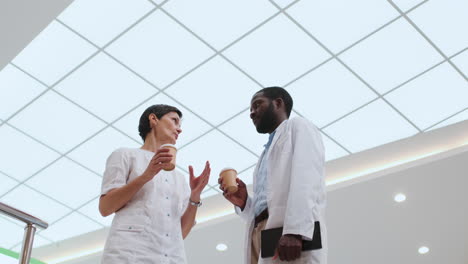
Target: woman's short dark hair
[(275, 92), (159, 110)]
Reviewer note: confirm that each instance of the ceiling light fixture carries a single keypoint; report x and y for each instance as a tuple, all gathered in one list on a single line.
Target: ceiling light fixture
[(400, 198), (423, 250), (221, 247)]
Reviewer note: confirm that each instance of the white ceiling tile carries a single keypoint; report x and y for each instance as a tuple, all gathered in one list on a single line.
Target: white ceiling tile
[(57, 122), (16, 90), (454, 119), (18, 150), (7, 184), (86, 17), (247, 175), (67, 182), (328, 93), (340, 23), (225, 90), (228, 27), (72, 225), (92, 210), (242, 129), (208, 192), (32, 202), (461, 61), (405, 5), (332, 150), (391, 56), (283, 3), (432, 97), (191, 125), (104, 80), (12, 232), (445, 23), (274, 58), (53, 53), (219, 150), (159, 49), (94, 153), (373, 125)]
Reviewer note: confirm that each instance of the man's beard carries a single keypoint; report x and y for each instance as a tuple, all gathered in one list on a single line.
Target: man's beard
[(267, 121)]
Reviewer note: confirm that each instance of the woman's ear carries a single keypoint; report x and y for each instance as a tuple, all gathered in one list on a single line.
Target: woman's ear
[(153, 120)]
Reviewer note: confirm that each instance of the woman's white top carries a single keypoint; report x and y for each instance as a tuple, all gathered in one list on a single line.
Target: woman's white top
[(148, 228)]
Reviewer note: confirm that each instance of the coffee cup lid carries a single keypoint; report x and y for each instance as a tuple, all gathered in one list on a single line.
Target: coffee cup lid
[(226, 169), (168, 145)]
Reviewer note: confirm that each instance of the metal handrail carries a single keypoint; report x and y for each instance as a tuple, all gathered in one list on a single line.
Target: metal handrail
[(29, 230)]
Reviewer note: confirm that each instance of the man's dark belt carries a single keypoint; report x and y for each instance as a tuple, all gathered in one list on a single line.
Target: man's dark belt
[(260, 217)]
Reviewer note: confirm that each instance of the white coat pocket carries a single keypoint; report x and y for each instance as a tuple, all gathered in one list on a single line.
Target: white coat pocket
[(130, 228)]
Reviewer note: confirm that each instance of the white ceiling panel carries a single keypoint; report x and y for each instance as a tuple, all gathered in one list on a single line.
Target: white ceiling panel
[(67, 182), (7, 183), (220, 24), (461, 61), (373, 125), (94, 153), (329, 93), (92, 210), (445, 23), (54, 53), (283, 3), (391, 56), (247, 175), (242, 129), (34, 203), (160, 49), (119, 15), (219, 150), (57, 122), (12, 232), (452, 120), (38, 242), (340, 23), (16, 90), (215, 80), (332, 150), (432, 97), (72, 225), (274, 59), (102, 79), (405, 5), (18, 150), (208, 192), (192, 126)]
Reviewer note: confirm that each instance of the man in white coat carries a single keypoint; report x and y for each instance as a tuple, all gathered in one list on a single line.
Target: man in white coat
[(289, 187)]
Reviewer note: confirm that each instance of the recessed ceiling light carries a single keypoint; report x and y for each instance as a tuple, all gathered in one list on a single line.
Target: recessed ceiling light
[(423, 250), (221, 247), (400, 198)]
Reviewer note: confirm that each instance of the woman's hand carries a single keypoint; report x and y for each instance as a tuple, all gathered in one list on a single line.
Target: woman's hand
[(197, 184), (159, 160)]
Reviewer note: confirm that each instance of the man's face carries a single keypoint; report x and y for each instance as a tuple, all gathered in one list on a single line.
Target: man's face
[(262, 113)]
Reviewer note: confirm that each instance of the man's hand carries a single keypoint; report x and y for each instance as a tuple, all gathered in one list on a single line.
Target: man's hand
[(289, 247), (238, 198)]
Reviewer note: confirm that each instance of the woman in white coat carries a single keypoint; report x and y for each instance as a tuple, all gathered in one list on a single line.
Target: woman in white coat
[(289, 186), (154, 209)]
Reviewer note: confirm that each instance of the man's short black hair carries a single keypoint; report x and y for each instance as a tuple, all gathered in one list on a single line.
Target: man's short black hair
[(159, 110), (276, 92)]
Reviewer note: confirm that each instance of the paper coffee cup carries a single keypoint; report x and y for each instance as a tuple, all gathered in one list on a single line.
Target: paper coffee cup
[(228, 179), (172, 150)]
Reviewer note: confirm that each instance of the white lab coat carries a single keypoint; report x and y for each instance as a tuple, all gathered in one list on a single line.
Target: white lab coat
[(295, 188)]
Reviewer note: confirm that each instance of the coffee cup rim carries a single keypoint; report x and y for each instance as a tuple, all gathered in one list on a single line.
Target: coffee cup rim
[(168, 145), (226, 169)]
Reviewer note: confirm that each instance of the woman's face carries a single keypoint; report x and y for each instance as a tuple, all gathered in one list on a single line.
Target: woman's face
[(168, 128)]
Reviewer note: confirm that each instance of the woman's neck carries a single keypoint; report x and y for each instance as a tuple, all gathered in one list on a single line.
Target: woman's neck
[(151, 143)]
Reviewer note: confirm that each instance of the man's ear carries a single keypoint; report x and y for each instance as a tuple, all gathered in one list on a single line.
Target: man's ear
[(278, 102)]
